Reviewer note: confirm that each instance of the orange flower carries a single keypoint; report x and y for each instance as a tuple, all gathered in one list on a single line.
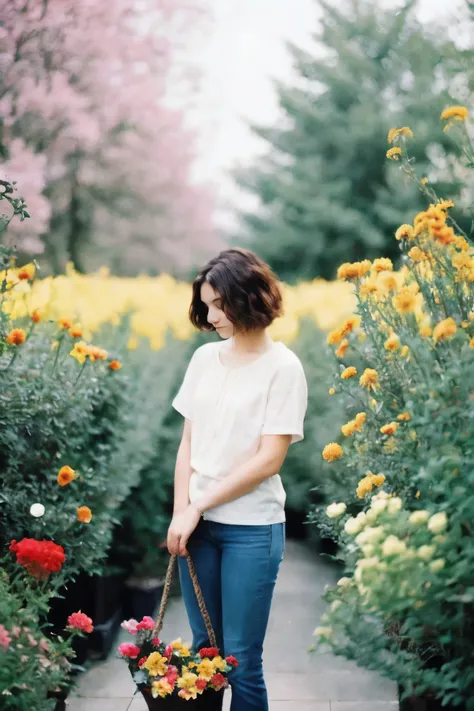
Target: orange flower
[(84, 514), (332, 451), (404, 417), (445, 329), (349, 372), (383, 264), (96, 353), (404, 232), (66, 475), (27, 272), (76, 331), (460, 113), (340, 352), (394, 153), (37, 316), (404, 301), (354, 270), (115, 365), (369, 379), (392, 343), (16, 337), (390, 429), (471, 343), (65, 323)]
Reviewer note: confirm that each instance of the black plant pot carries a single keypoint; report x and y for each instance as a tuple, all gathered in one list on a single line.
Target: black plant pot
[(138, 603), (107, 614), (61, 699), (77, 594), (296, 528), (208, 701), (425, 703)]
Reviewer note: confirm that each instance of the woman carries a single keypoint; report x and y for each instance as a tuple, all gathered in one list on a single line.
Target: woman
[(244, 400)]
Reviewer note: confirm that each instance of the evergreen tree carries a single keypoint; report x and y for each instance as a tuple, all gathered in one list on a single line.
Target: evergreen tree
[(327, 192)]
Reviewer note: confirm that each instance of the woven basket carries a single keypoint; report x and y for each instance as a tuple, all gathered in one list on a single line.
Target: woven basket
[(209, 700)]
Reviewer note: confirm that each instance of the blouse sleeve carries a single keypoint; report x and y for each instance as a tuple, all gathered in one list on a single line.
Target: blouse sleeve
[(183, 401), (287, 402)]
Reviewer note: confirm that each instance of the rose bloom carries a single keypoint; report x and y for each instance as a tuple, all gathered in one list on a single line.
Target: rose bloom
[(146, 624), (332, 451), (80, 621)]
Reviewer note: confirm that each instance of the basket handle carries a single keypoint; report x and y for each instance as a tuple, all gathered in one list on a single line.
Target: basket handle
[(199, 597)]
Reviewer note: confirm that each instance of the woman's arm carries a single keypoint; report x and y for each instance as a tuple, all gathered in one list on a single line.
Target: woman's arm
[(182, 474), (182, 470), (241, 481), (245, 478)]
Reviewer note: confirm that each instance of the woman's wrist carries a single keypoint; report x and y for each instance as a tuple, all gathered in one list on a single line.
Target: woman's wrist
[(198, 507)]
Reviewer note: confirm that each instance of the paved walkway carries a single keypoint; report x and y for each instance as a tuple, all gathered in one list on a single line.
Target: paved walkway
[(296, 680)]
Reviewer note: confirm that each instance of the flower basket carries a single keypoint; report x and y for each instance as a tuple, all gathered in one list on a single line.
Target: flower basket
[(172, 676)]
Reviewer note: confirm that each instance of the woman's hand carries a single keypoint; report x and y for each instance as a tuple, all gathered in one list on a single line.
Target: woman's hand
[(181, 527)]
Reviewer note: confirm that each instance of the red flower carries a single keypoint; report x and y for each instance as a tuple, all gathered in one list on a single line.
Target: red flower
[(172, 675), (168, 653), (218, 681), (142, 661), (146, 624), (156, 641), (232, 661), (80, 621), (129, 650), (201, 684), (38, 557), (209, 652)]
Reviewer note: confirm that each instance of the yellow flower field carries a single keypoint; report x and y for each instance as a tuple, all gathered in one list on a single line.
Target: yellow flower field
[(158, 304)]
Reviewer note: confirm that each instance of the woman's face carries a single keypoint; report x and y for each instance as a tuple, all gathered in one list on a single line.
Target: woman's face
[(215, 315)]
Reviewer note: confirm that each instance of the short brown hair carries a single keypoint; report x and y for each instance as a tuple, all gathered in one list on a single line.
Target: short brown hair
[(251, 297)]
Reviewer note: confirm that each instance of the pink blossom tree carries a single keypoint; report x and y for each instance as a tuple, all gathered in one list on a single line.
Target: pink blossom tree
[(102, 161)]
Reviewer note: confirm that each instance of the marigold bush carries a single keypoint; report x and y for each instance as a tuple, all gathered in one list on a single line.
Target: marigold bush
[(403, 517)]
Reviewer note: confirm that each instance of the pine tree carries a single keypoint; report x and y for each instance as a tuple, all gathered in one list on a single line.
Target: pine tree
[(327, 192)]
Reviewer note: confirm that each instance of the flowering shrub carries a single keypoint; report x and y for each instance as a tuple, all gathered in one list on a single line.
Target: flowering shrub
[(404, 520), (166, 669), (33, 666)]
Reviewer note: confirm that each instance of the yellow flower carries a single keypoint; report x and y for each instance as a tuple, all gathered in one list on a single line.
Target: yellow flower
[(80, 352), (76, 331), (353, 270), (366, 484), (332, 391), (404, 301), (417, 255), (424, 180), (392, 343), (187, 681), (332, 451), (394, 153), (384, 264), (219, 664), (205, 669), (349, 372), (161, 688), (404, 232), (471, 343), (461, 243), (395, 132), (438, 522), (404, 417), (444, 330), (27, 272), (368, 288), (459, 113), (390, 429), (404, 352), (336, 510), (347, 327), (369, 379), (393, 546), (156, 664), (65, 323), (426, 552), (437, 565), (390, 446), (417, 518), (354, 425), (341, 351)]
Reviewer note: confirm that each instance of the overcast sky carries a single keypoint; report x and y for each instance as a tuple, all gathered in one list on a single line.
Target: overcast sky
[(244, 49)]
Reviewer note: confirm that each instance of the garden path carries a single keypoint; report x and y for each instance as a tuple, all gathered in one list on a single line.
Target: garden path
[(297, 681)]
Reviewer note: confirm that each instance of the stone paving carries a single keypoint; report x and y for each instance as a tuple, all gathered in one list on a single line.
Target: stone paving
[(296, 680)]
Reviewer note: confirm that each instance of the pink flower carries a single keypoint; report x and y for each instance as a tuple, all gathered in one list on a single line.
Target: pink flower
[(146, 624), (172, 675), (44, 646), (16, 631), (156, 641), (5, 638), (129, 650), (168, 653), (80, 621), (130, 626), (31, 640)]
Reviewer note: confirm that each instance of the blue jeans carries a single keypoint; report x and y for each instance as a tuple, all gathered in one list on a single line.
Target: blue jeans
[(237, 567)]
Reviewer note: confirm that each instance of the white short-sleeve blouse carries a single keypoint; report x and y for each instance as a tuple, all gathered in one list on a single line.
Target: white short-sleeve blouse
[(230, 408)]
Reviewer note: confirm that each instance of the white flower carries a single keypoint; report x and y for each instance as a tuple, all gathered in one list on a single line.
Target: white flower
[(426, 552), (419, 517), (378, 505), (438, 522), (323, 632), (437, 565), (37, 510), (344, 582), (394, 505), (370, 535), (335, 604), (354, 525), (368, 550), (393, 546), (365, 564), (336, 510)]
